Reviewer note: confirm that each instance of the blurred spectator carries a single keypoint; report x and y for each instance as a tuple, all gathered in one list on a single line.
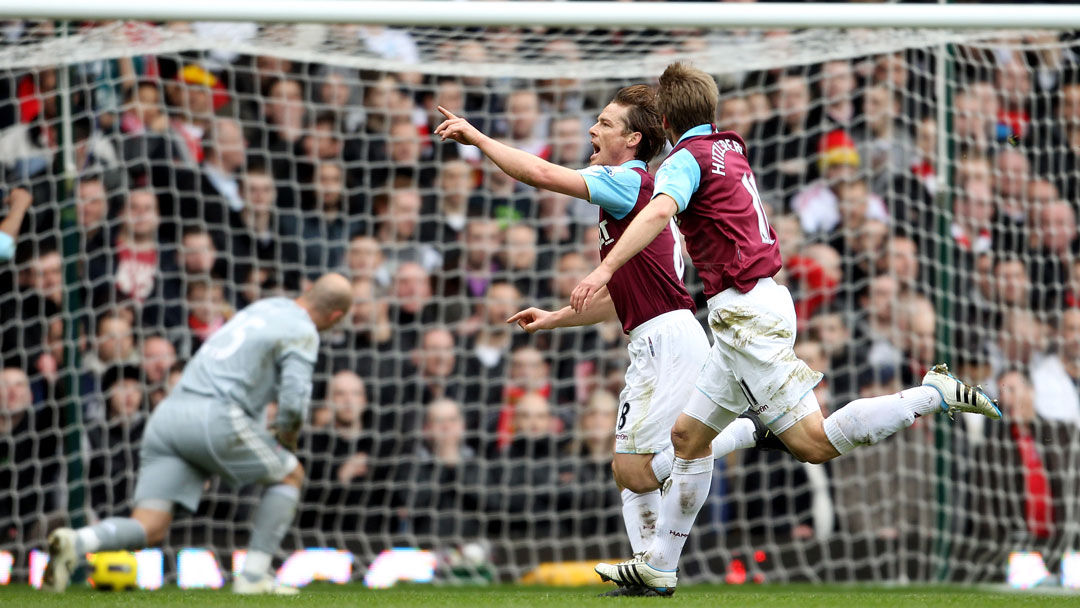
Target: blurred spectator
[(143, 111), (472, 268), (523, 123), (198, 254), (1021, 475), (337, 93), (876, 333), (364, 260), (837, 91), (192, 100), (31, 450), (258, 231), (435, 360), (973, 215), (817, 205), (346, 401), (816, 273), (593, 438), (1054, 374), (442, 485), (521, 262), (975, 120), (886, 147), (1013, 82), (284, 112), (490, 345), (399, 233), (569, 271), (918, 325), (207, 311), (1021, 340), (407, 157), (735, 114), (1054, 245), (568, 137), (158, 357), (139, 264), (324, 142), (1012, 287), (340, 456), (1011, 177), (923, 166), (91, 212), (901, 260), (788, 139), (455, 184), (113, 442), (323, 233), (114, 345), (413, 306), (226, 155)]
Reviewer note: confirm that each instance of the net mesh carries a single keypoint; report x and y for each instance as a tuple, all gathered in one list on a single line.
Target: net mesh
[(217, 164)]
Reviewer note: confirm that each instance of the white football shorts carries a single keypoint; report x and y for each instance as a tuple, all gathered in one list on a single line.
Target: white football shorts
[(752, 363), (666, 355)]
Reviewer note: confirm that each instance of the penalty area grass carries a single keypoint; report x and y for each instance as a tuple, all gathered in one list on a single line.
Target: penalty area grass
[(512, 596)]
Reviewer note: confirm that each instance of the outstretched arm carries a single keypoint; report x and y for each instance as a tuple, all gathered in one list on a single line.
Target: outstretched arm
[(648, 223), (536, 319), (518, 164)]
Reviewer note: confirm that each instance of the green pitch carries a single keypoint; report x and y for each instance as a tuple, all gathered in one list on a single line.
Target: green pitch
[(693, 596)]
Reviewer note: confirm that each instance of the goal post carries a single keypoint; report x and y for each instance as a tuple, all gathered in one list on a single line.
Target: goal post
[(919, 164)]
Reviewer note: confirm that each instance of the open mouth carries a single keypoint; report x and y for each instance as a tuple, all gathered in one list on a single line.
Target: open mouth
[(595, 148)]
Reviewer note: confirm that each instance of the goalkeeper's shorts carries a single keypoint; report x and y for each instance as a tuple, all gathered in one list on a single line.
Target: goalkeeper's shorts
[(666, 353), (191, 437)]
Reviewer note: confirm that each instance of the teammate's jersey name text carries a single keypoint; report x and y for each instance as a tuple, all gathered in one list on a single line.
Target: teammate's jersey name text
[(719, 149)]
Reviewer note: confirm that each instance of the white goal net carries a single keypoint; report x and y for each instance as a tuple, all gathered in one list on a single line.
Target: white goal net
[(924, 185)]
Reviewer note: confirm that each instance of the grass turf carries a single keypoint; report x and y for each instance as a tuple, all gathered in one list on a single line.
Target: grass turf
[(503, 596)]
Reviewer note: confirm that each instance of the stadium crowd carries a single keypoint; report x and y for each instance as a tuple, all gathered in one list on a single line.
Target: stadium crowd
[(204, 181)]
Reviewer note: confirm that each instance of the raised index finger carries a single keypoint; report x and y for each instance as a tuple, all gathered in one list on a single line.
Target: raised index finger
[(446, 113)]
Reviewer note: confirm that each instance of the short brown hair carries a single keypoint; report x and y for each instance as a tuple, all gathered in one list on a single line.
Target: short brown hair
[(643, 117), (687, 97)]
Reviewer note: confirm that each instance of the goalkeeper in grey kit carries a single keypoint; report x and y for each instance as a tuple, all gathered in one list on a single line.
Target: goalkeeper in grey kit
[(212, 424)]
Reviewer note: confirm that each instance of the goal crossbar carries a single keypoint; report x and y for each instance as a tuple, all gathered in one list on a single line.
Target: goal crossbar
[(599, 14)]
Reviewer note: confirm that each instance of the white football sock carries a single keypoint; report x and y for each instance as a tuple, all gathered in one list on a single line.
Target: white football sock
[(112, 534), (661, 464), (868, 421), (690, 483), (272, 519), (639, 513), (739, 435)]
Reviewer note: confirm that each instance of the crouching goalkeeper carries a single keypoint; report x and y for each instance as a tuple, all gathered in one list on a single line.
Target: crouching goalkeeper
[(211, 424)]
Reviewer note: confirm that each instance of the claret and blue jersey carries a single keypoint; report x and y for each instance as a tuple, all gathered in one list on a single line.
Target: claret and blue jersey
[(721, 215), (650, 284)]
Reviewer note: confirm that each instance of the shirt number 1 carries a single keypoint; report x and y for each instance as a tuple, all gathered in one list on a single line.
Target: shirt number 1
[(750, 184)]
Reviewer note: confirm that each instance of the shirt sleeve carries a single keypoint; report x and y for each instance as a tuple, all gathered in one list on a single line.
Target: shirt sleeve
[(678, 178), (7, 247), (614, 189), (297, 361)]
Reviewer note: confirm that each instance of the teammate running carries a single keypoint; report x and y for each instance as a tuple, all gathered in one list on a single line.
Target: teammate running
[(211, 425), (667, 344), (752, 364)]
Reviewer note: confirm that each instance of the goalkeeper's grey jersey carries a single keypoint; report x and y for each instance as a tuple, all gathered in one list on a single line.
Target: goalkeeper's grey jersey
[(265, 353)]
